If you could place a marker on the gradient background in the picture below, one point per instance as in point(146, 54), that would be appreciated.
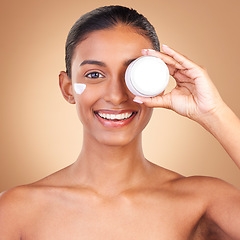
point(40, 131)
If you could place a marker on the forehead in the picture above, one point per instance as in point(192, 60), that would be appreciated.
point(120, 41)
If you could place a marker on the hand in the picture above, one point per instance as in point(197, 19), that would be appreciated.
point(194, 96)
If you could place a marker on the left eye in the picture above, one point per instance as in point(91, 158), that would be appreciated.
point(94, 75)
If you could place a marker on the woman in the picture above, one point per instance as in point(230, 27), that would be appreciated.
point(112, 191)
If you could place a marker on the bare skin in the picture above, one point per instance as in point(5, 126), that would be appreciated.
point(112, 191)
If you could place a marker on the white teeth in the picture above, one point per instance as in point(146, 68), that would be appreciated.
point(115, 116)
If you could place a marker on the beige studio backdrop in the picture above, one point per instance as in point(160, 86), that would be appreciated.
point(40, 131)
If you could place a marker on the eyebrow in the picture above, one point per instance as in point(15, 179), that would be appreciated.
point(93, 62)
point(102, 64)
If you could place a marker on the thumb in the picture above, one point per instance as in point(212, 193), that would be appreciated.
point(163, 101)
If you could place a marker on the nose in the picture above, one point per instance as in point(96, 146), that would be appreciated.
point(116, 91)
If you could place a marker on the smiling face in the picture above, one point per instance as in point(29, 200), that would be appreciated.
point(106, 108)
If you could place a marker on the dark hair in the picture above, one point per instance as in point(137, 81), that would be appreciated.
point(105, 18)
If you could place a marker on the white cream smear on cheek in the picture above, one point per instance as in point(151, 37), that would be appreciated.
point(79, 88)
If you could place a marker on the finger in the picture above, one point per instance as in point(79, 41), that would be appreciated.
point(186, 88)
point(163, 101)
point(166, 58)
point(193, 73)
point(182, 60)
point(181, 77)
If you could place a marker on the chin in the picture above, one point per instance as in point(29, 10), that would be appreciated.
point(118, 139)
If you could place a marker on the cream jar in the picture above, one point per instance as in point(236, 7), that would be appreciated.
point(147, 76)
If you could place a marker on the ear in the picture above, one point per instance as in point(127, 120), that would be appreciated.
point(66, 87)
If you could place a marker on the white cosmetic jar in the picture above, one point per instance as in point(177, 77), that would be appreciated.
point(147, 76)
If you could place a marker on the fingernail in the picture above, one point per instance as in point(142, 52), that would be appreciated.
point(137, 101)
point(148, 50)
point(164, 46)
point(151, 50)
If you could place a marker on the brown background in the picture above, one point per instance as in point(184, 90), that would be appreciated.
point(40, 131)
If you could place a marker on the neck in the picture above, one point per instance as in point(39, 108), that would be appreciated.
point(110, 169)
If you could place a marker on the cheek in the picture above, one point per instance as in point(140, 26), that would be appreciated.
point(85, 98)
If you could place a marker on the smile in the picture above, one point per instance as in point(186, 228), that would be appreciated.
point(118, 117)
point(115, 118)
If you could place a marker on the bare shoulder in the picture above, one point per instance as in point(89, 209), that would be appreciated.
point(204, 184)
point(25, 194)
point(14, 207)
point(201, 186)
point(222, 203)
point(17, 199)
point(209, 191)
point(219, 202)
point(174, 180)
point(21, 205)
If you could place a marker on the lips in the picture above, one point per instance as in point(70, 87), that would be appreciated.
point(109, 118)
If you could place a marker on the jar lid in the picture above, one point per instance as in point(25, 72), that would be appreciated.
point(147, 76)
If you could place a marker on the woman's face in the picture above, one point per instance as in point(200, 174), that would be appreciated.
point(106, 108)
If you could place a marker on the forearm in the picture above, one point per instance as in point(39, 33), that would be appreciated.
point(225, 127)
